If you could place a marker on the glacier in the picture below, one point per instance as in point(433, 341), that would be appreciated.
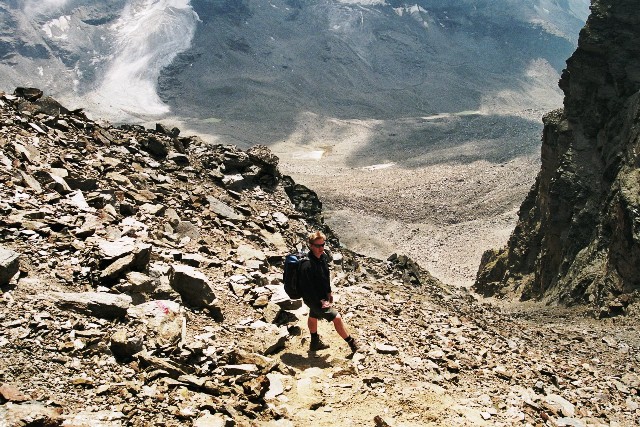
point(148, 36)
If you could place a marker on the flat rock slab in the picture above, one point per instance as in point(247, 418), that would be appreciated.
point(98, 304)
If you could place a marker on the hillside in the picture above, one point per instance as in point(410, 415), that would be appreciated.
point(139, 272)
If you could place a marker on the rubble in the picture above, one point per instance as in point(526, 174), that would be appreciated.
point(141, 286)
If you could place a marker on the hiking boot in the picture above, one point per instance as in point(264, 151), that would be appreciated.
point(353, 345)
point(317, 344)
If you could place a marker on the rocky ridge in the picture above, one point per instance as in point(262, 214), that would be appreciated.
point(140, 286)
point(577, 239)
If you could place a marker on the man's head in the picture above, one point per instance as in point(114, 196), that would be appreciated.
point(316, 243)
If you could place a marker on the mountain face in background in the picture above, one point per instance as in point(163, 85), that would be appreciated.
point(227, 66)
point(578, 235)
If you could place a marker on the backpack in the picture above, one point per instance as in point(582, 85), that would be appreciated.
point(291, 274)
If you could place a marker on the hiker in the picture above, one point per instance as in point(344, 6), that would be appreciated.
point(316, 294)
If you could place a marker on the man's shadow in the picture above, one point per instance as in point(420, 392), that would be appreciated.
point(302, 362)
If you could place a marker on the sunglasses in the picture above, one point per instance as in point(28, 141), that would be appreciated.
point(318, 245)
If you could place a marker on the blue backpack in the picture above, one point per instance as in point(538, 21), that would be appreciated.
point(291, 274)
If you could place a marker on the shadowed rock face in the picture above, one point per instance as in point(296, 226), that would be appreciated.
point(578, 235)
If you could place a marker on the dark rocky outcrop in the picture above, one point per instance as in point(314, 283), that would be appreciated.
point(578, 235)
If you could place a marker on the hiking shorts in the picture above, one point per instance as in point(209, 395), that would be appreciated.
point(327, 314)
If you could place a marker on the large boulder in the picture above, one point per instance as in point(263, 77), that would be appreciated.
point(194, 288)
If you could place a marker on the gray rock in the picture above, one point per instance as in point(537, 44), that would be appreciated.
point(152, 209)
point(11, 393)
point(280, 218)
point(59, 184)
point(123, 345)
point(179, 159)
point(386, 349)
point(222, 209)
point(163, 322)
point(105, 418)
point(569, 422)
point(140, 282)
point(276, 386)
point(261, 301)
point(210, 420)
point(245, 368)
point(280, 297)
point(116, 248)
point(9, 265)
point(249, 252)
point(172, 217)
point(269, 338)
point(117, 269)
point(187, 229)
point(271, 312)
point(192, 285)
point(276, 240)
point(155, 146)
point(31, 182)
point(559, 405)
point(30, 414)
point(129, 256)
point(98, 304)
point(173, 369)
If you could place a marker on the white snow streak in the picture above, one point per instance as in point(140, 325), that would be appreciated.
point(363, 2)
point(149, 35)
point(57, 28)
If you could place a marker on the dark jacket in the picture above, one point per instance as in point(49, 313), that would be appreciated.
point(315, 282)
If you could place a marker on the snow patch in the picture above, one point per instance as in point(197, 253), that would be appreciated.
point(378, 167)
point(57, 28)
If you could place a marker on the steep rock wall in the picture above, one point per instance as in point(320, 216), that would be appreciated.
point(578, 235)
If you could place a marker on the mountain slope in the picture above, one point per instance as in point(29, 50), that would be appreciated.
point(264, 64)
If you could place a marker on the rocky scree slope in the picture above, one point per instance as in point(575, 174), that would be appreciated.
point(578, 235)
point(140, 286)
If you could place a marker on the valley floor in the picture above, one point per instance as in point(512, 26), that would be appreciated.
point(441, 204)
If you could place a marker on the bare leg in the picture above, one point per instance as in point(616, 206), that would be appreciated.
point(312, 323)
point(340, 327)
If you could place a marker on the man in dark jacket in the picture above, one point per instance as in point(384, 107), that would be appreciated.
point(316, 293)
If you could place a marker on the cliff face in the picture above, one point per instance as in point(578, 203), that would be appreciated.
point(578, 235)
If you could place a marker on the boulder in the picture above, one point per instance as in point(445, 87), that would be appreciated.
point(192, 285)
point(98, 304)
point(269, 338)
point(9, 265)
point(30, 414)
point(124, 345)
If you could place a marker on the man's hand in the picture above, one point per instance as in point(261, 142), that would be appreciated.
point(331, 297)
